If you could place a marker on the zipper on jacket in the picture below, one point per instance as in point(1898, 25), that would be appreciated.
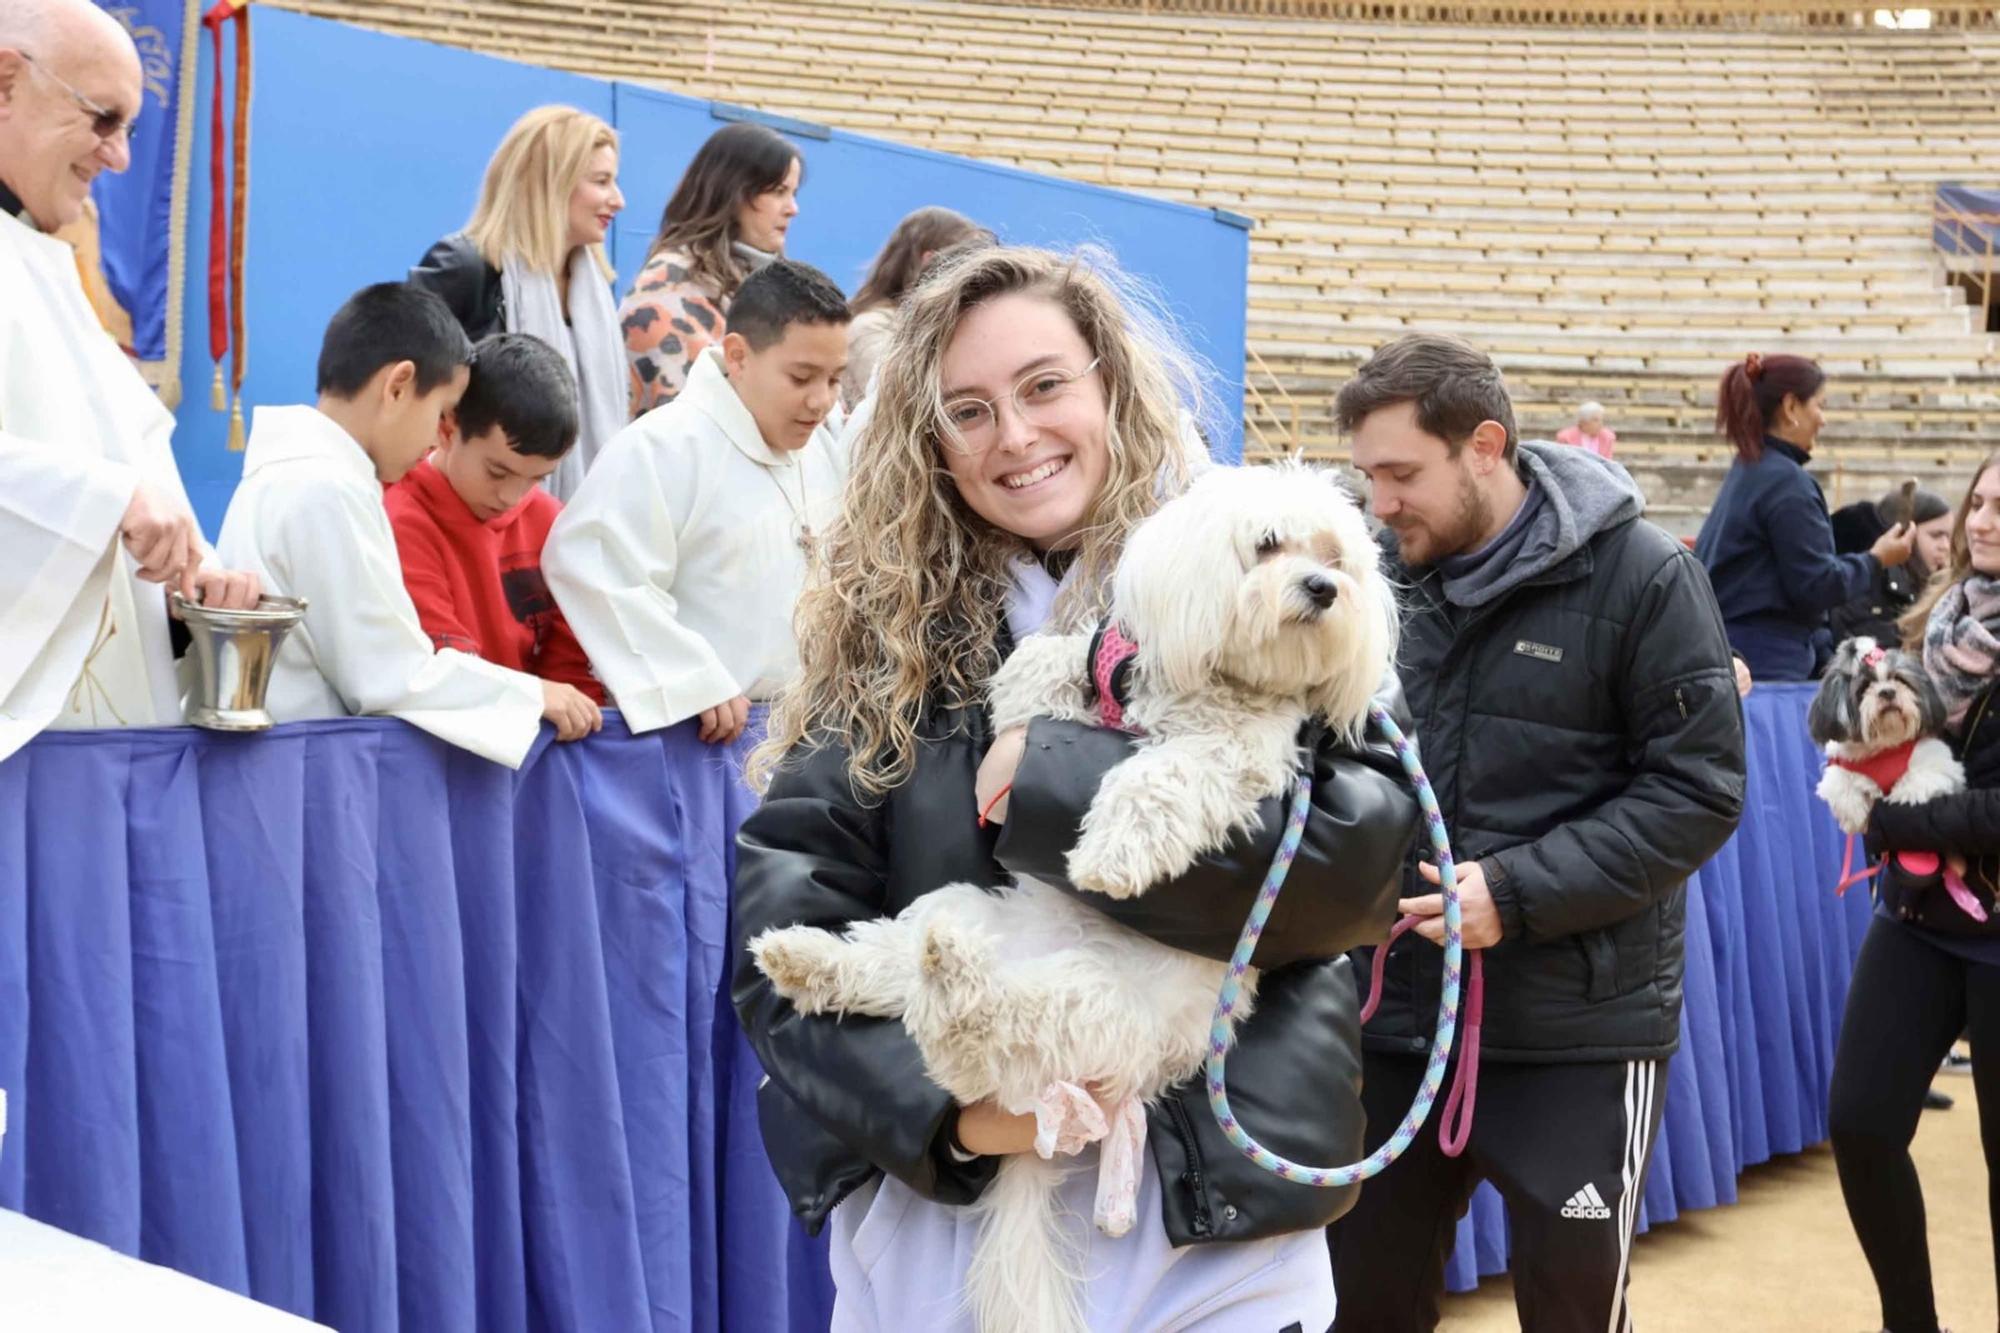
point(1199, 1222)
point(1680, 702)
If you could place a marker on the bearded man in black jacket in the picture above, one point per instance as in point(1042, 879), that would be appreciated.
point(1575, 705)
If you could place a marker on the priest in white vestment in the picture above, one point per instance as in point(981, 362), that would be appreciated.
point(682, 554)
point(93, 517)
point(309, 519)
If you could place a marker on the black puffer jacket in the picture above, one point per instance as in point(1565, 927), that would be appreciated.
point(456, 271)
point(848, 1096)
point(1584, 737)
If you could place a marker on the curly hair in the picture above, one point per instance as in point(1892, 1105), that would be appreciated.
point(903, 610)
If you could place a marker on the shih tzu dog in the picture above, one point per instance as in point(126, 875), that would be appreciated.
point(1878, 717)
point(1242, 609)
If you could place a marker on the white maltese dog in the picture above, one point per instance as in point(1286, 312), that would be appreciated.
point(1240, 610)
point(1878, 717)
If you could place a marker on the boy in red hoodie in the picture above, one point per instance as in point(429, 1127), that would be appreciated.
point(470, 520)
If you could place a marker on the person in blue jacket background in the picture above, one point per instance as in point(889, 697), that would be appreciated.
point(1768, 542)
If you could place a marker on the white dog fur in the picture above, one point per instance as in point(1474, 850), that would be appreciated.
point(1256, 603)
point(1871, 700)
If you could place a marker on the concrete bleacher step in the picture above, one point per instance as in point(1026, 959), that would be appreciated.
point(1614, 213)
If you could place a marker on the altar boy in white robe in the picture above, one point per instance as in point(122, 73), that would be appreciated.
point(309, 518)
point(681, 555)
point(94, 521)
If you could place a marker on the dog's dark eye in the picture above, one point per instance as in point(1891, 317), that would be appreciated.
point(1267, 545)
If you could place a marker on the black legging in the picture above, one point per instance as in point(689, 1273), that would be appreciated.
point(1909, 1001)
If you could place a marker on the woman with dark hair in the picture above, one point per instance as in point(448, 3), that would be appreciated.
point(1896, 589)
point(917, 240)
point(1767, 542)
point(1928, 969)
point(727, 219)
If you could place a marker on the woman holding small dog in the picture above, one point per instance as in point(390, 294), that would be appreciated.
point(1027, 421)
point(1928, 969)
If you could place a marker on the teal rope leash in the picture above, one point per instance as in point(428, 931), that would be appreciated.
point(1246, 945)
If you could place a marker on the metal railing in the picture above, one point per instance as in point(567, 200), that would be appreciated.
point(1265, 395)
point(1972, 236)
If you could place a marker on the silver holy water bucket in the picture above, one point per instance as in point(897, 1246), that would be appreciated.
point(233, 653)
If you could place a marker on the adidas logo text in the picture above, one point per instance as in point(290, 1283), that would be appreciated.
point(1586, 1205)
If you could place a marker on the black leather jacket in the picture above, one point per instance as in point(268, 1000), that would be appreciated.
point(848, 1096)
point(456, 271)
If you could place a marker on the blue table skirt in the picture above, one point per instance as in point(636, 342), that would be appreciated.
point(385, 1035)
point(377, 1032)
point(1769, 952)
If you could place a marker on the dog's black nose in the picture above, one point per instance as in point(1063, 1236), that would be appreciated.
point(1320, 588)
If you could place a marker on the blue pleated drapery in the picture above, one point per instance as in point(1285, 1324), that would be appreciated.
point(375, 1031)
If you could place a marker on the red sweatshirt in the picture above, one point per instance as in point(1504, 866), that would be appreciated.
point(478, 585)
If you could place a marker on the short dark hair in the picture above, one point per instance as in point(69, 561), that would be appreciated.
point(384, 324)
point(1454, 385)
point(523, 386)
point(782, 293)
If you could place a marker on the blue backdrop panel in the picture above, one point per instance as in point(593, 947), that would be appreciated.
point(366, 148)
point(363, 150)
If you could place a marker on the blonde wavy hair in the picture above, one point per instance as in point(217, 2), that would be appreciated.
point(1913, 622)
point(904, 609)
point(523, 209)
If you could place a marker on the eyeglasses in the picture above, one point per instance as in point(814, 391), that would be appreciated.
point(105, 123)
point(975, 422)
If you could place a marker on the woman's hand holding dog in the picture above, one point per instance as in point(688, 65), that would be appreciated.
point(996, 774)
point(985, 1130)
point(1478, 918)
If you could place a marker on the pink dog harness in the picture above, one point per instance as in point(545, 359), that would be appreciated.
point(1111, 657)
point(1885, 770)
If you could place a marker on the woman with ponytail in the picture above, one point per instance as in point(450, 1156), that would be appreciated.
point(1768, 542)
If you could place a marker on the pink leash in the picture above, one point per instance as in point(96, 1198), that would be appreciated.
point(1917, 863)
point(1455, 1128)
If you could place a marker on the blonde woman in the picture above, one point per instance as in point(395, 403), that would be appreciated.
point(1027, 420)
point(727, 218)
point(532, 261)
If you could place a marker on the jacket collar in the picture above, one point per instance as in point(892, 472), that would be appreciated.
point(293, 434)
point(709, 392)
point(1577, 564)
point(1786, 449)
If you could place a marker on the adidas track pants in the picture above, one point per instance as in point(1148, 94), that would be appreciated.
point(1567, 1147)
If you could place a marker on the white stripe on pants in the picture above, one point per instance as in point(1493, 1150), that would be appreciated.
point(1641, 1087)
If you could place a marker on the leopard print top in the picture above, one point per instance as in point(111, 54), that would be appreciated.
point(667, 320)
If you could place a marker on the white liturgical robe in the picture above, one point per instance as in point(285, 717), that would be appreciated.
point(83, 640)
point(309, 519)
point(680, 558)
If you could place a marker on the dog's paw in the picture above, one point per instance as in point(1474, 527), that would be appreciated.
point(1849, 797)
point(1098, 864)
point(802, 963)
point(950, 955)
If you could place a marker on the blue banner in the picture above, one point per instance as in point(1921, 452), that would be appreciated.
point(137, 231)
